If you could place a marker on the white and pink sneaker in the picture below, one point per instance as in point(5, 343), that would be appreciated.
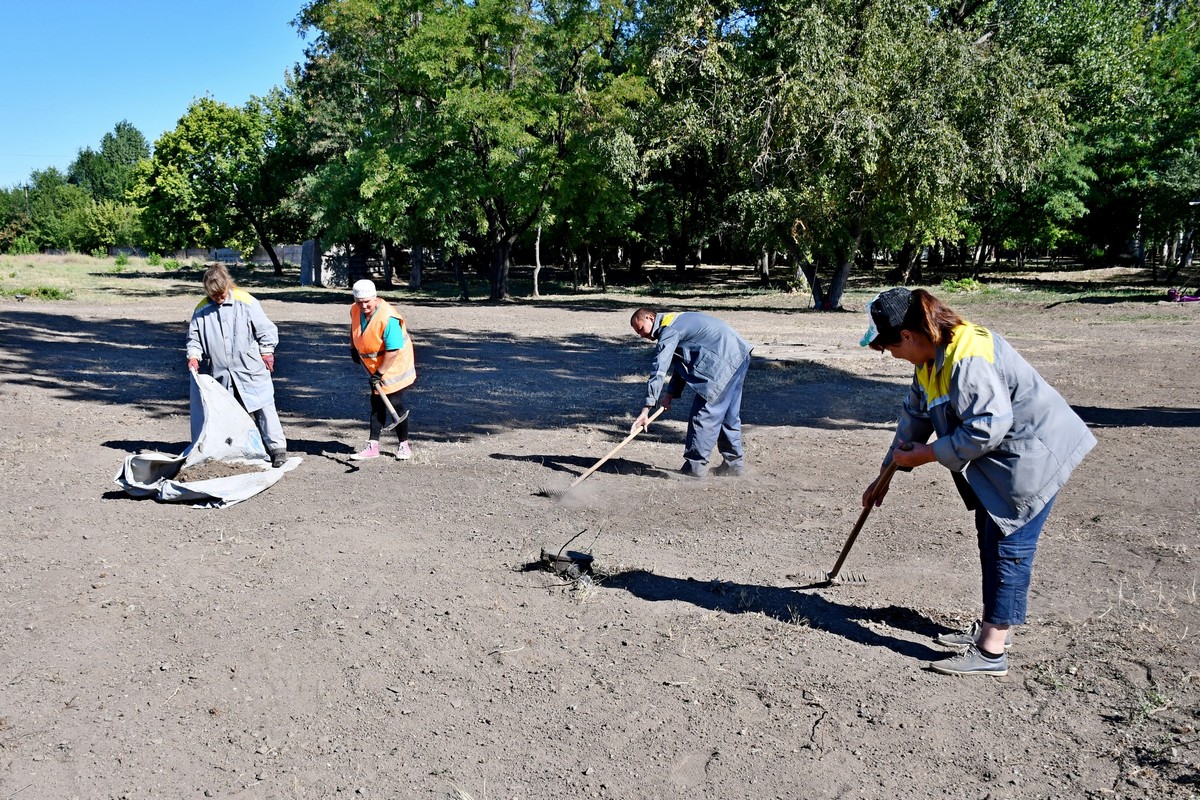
point(367, 453)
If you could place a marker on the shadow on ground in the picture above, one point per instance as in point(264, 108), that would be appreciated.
point(469, 382)
point(807, 608)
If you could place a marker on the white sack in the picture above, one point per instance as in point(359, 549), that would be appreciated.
point(227, 434)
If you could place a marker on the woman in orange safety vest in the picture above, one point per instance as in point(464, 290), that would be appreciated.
point(380, 342)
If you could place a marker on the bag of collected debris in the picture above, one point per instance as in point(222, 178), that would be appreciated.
point(225, 464)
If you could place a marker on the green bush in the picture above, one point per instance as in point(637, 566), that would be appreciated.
point(99, 252)
point(122, 260)
point(171, 263)
point(962, 285)
point(41, 292)
point(116, 269)
point(154, 260)
point(24, 246)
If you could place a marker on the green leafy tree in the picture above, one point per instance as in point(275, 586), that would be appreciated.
point(213, 180)
point(113, 224)
point(883, 120)
point(109, 174)
point(692, 54)
point(14, 216)
point(1173, 166)
point(453, 123)
point(58, 212)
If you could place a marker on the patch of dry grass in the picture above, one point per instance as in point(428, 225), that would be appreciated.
point(82, 277)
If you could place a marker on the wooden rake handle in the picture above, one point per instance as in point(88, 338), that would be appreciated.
point(885, 479)
point(632, 435)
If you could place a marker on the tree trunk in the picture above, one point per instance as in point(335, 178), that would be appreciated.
point(811, 274)
point(260, 234)
point(502, 249)
point(764, 268)
point(356, 262)
point(389, 263)
point(980, 258)
point(417, 266)
point(464, 295)
point(837, 286)
point(1188, 250)
point(537, 260)
point(909, 263)
point(936, 261)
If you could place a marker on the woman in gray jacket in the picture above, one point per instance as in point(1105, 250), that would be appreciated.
point(230, 328)
point(1008, 438)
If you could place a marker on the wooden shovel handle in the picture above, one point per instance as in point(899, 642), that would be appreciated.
point(396, 420)
point(632, 435)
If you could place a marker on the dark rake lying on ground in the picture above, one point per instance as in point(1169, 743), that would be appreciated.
point(835, 577)
point(569, 564)
point(559, 494)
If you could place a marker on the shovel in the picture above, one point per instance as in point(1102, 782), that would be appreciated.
point(632, 435)
point(396, 419)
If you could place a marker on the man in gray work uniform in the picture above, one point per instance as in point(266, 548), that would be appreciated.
point(708, 355)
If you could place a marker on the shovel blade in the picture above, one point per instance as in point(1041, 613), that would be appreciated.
point(396, 420)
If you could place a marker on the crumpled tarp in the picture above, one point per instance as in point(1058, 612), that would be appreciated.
point(221, 431)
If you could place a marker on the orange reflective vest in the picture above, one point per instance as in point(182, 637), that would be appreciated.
point(369, 344)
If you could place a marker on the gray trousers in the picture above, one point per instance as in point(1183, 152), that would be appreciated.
point(267, 420)
point(717, 423)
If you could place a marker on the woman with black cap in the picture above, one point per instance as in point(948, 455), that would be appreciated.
point(1008, 438)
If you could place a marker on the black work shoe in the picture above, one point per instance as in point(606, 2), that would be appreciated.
point(727, 470)
point(278, 458)
point(688, 471)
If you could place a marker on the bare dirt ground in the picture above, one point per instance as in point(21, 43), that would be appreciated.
point(381, 630)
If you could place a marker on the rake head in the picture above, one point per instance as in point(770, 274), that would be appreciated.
point(826, 579)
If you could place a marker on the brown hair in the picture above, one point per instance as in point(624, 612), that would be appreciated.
point(926, 314)
point(218, 281)
point(933, 318)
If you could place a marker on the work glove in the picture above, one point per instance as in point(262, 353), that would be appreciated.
point(354, 355)
point(376, 380)
point(194, 364)
point(269, 361)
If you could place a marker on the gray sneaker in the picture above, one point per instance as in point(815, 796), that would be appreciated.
point(968, 638)
point(971, 662)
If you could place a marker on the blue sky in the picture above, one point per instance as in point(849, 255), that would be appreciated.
point(70, 70)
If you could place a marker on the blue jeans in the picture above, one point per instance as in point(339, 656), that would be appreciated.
point(1007, 563)
point(717, 422)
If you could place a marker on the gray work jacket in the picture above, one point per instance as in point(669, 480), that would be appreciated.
point(998, 423)
point(704, 351)
point(233, 336)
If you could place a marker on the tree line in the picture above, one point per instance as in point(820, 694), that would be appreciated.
point(806, 137)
